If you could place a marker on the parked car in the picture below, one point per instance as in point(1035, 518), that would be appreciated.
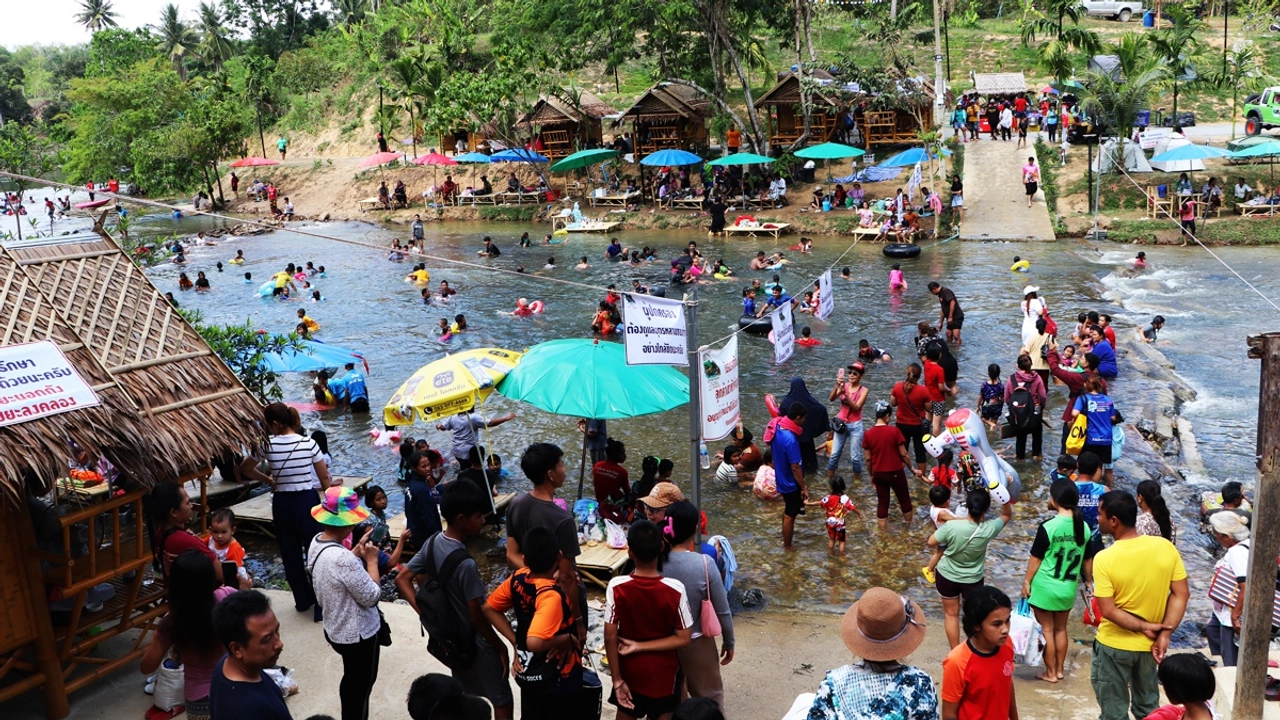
point(1262, 111)
point(1122, 10)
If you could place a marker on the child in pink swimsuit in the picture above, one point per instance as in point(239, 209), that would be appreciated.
point(896, 280)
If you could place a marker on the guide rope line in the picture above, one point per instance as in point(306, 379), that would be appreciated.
point(323, 236)
point(1167, 213)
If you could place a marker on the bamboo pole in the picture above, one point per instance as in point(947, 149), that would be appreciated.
point(1251, 677)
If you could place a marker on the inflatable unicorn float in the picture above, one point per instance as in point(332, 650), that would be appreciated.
point(964, 429)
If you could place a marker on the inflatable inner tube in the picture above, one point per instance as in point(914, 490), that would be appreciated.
point(657, 291)
point(771, 404)
point(752, 324)
point(901, 250)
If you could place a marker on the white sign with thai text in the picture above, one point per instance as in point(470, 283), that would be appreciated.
point(826, 299)
point(719, 389)
point(36, 381)
point(784, 333)
point(654, 331)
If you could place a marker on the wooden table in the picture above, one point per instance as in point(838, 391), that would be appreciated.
point(600, 563)
point(693, 203)
point(520, 197)
point(255, 513)
point(622, 200)
point(1266, 210)
point(490, 199)
point(368, 204)
point(775, 230)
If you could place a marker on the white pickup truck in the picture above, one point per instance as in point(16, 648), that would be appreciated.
point(1121, 10)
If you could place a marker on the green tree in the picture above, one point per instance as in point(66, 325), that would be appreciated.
point(1116, 102)
point(96, 15)
point(1178, 47)
point(244, 351)
point(116, 50)
point(13, 97)
point(274, 26)
point(1244, 72)
point(176, 39)
point(1058, 27)
point(215, 46)
point(24, 151)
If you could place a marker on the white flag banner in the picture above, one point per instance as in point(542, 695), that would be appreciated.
point(826, 299)
point(37, 380)
point(719, 390)
point(917, 177)
point(654, 331)
point(784, 333)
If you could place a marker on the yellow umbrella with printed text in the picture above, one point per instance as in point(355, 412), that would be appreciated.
point(453, 384)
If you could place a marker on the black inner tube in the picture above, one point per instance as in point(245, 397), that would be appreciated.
point(754, 325)
point(901, 250)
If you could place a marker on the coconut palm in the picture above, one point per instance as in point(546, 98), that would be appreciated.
point(176, 39)
point(96, 15)
point(1244, 72)
point(1178, 46)
point(1115, 99)
point(215, 43)
point(1059, 26)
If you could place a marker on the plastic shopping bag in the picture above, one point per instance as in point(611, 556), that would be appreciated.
point(170, 690)
point(1022, 628)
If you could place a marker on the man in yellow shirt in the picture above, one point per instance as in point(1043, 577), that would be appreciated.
point(1141, 586)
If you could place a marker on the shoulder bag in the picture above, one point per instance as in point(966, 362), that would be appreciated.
point(708, 618)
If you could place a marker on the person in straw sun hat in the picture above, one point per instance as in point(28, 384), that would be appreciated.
point(881, 628)
point(346, 585)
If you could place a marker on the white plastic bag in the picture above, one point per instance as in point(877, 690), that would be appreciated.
point(615, 536)
point(1022, 628)
point(171, 681)
point(283, 678)
point(1034, 655)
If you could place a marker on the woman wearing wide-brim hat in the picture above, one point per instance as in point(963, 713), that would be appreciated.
point(881, 628)
point(346, 586)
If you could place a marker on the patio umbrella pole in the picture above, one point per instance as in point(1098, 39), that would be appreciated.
point(582, 469)
point(695, 409)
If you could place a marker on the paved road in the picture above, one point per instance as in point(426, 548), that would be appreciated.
point(994, 198)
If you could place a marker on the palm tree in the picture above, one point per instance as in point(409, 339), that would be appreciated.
point(1059, 24)
point(1244, 71)
point(215, 43)
point(1178, 46)
point(96, 15)
point(176, 39)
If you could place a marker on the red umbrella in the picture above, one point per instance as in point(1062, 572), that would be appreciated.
point(253, 162)
point(381, 158)
point(435, 158)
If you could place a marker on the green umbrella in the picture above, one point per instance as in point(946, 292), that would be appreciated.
point(584, 158)
point(1266, 149)
point(743, 158)
point(829, 151)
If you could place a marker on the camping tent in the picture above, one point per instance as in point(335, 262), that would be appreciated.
point(1169, 143)
point(1106, 65)
point(1134, 159)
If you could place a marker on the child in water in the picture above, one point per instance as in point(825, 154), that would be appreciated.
point(837, 505)
point(315, 296)
point(184, 282)
point(806, 338)
point(443, 330)
point(896, 279)
point(872, 354)
point(603, 321)
point(459, 324)
point(748, 301)
point(248, 278)
point(942, 473)
point(991, 397)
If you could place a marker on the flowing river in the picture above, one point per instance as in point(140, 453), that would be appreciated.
point(368, 306)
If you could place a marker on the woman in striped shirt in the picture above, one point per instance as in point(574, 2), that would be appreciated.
point(290, 459)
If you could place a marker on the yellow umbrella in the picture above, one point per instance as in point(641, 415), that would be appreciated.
point(453, 384)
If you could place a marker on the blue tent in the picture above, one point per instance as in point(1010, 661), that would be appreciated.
point(907, 158)
point(664, 158)
point(518, 155)
point(314, 356)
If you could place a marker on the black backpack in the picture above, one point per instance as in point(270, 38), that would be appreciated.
point(1022, 409)
point(451, 638)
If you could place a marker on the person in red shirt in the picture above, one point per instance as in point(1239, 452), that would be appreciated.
point(1110, 333)
point(935, 383)
point(1020, 106)
point(612, 483)
point(912, 403)
point(646, 620)
point(170, 510)
point(887, 458)
point(977, 675)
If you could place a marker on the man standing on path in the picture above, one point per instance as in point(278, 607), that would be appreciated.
point(463, 426)
point(250, 632)
point(952, 318)
point(733, 139)
point(785, 443)
point(1141, 586)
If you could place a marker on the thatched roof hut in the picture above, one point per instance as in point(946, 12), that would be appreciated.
point(784, 114)
point(563, 128)
point(668, 116)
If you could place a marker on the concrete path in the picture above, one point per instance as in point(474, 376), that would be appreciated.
point(995, 201)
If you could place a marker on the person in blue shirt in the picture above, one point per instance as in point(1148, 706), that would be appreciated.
point(785, 445)
point(1088, 470)
point(356, 393)
point(421, 508)
point(777, 300)
point(1101, 414)
point(1106, 354)
point(613, 250)
point(748, 301)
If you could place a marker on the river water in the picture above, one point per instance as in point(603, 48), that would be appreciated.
point(369, 307)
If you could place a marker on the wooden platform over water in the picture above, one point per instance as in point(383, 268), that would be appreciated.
point(255, 513)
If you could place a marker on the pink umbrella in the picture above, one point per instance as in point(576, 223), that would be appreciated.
point(381, 158)
point(253, 162)
point(435, 158)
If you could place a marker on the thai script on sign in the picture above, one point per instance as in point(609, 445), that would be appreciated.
point(37, 380)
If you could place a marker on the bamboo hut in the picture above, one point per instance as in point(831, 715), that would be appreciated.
point(785, 113)
point(561, 128)
point(159, 405)
point(668, 116)
point(897, 124)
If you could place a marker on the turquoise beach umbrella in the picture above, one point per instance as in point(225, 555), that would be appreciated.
point(314, 356)
point(907, 158)
point(1190, 152)
point(518, 155)
point(591, 379)
point(830, 151)
point(472, 157)
point(584, 158)
point(671, 157)
point(743, 158)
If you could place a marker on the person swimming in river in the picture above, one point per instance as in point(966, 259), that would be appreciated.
point(582, 264)
point(426, 296)
point(311, 269)
point(301, 330)
point(202, 282)
point(525, 241)
point(238, 259)
point(720, 270)
point(446, 290)
point(315, 296)
point(184, 282)
point(459, 324)
point(524, 308)
point(896, 279)
point(248, 278)
point(806, 337)
point(873, 354)
point(1020, 265)
point(551, 264)
point(305, 319)
point(748, 301)
point(443, 330)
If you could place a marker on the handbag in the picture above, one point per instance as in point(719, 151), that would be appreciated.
point(1092, 611)
point(171, 683)
point(1079, 431)
point(384, 630)
point(707, 617)
point(839, 426)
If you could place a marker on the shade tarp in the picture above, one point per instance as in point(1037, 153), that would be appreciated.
point(253, 162)
point(314, 356)
point(518, 155)
point(1271, 148)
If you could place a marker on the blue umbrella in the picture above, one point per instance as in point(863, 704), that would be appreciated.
point(1190, 152)
point(664, 158)
point(907, 158)
point(472, 157)
point(315, 356)
point(518, 155)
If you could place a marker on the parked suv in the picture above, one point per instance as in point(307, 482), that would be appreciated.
point(1121, 10)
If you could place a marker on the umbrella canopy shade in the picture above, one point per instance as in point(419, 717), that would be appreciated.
point(381, 158)
point(518, 155)
point(475, 158)
point(314, 356)
point(591, 379)
point(907, 158)
point(663, 158)
point(583, 158)
point(453, 384)
point(435, 158)
point(1049, 89)
point(1266, 149)
point(829, 151)
point(1068, 85)
point(1190, 151)
point(1248, 141)
point(253, 162)
point(743, 158)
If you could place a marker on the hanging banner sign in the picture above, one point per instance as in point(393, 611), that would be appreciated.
point(37, 380)
point(719, 390)
point(784, 333)
point(826, 299)
point(913, 185)
point(654, 331)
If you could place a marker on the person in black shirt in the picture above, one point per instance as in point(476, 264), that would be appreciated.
point(717, 209)
point(952, 317)
point(490, 250)
point(249, 630)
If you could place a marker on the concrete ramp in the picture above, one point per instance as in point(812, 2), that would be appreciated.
point(995, 201)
